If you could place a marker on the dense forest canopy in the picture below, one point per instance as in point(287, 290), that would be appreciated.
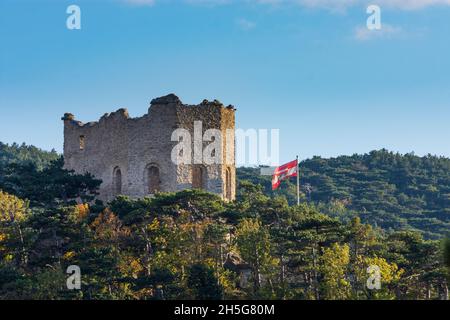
point(385, 189)
point(193, 245)
point(25, 154)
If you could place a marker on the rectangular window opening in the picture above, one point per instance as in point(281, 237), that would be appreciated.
point(82, 142)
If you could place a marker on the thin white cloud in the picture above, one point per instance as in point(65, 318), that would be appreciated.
point(141, 2)
point(332, 5)
point(208, 2)
point(362, 33)
point(245, 24)
point(412, 4)
point(339, 5)
point(344, 4)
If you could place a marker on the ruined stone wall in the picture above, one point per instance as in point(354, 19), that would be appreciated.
point(135, 144)
point(229, 151)
point(212, 115)
point(106, 147)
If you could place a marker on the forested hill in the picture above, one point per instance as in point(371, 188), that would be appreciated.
point(385, 189)
point(202, 248)
point(25, 154)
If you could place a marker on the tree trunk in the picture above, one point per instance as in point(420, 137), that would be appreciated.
point(316, 277)
point(428, 291)
point(444, 291)
point(22, 242)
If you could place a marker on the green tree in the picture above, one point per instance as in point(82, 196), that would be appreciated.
point(13, 214)
point(203, 283)
point(334, 264)
point(447, 255)
point(254, 244)
point(50, 187)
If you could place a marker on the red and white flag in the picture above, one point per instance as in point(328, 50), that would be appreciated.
point(284, 172)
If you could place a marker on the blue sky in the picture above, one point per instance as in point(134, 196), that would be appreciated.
point(309, 68)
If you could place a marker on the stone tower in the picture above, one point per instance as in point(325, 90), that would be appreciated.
point(134, 156)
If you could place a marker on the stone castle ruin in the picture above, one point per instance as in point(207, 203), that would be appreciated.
point(134, 156)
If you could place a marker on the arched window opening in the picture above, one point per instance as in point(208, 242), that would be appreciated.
point(198, 177)
point(153, 179)
point(117, 181)
point(228, 184)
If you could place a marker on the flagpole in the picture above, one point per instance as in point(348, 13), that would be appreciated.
point(298, 185)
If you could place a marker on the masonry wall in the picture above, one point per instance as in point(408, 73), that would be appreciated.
point(134, 144)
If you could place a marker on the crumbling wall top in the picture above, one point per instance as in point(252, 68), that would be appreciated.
point(165, 100)
point(169, 99)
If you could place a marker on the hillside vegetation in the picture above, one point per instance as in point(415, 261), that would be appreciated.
point(385, 189)
point(192, 245)
point(25, 154)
